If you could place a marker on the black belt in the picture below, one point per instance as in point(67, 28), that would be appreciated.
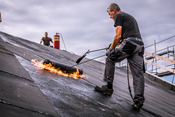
point(133, 39)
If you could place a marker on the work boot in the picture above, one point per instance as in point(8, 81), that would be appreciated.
point(137, 106)
point(104, 90)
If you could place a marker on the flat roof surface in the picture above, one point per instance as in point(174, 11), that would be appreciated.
point(28, 91)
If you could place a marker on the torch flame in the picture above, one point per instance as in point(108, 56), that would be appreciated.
point(50, 68)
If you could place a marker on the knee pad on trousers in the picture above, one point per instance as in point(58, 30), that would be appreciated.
point(114, 54)
point(129, 48)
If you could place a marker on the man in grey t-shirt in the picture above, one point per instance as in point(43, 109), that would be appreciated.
point(127, 43)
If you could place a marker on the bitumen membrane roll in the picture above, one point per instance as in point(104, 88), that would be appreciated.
point(64, 68)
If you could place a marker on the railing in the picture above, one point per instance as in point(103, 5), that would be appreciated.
point(159, 58)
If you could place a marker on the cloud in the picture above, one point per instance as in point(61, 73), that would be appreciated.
point(84, 24)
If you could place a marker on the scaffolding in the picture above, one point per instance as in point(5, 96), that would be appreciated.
point(164, 49)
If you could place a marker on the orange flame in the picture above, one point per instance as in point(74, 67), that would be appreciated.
point(50, 68)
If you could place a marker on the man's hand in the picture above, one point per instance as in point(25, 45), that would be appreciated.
point(108, 47)
point(108, 51)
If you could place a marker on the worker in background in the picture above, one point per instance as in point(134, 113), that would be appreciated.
point(127, 43)
point(0, 17)
point(46, 40)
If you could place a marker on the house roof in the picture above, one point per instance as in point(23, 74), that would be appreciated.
point(29, 91)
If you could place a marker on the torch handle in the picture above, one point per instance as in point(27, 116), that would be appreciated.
point(78, 60)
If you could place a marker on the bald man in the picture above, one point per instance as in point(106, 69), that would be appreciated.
point(46, 40)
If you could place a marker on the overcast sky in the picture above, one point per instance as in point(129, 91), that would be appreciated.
point(85, 24)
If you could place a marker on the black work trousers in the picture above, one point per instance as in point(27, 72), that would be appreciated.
point(132, 49)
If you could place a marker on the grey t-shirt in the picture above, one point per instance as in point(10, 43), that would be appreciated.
point(129, 25)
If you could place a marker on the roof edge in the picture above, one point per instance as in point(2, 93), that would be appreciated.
point(161, 81)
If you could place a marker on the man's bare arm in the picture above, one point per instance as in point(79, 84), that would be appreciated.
point(117, 37)
point(41, 41)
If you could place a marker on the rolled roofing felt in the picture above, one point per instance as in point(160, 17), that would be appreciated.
point(64, 68)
